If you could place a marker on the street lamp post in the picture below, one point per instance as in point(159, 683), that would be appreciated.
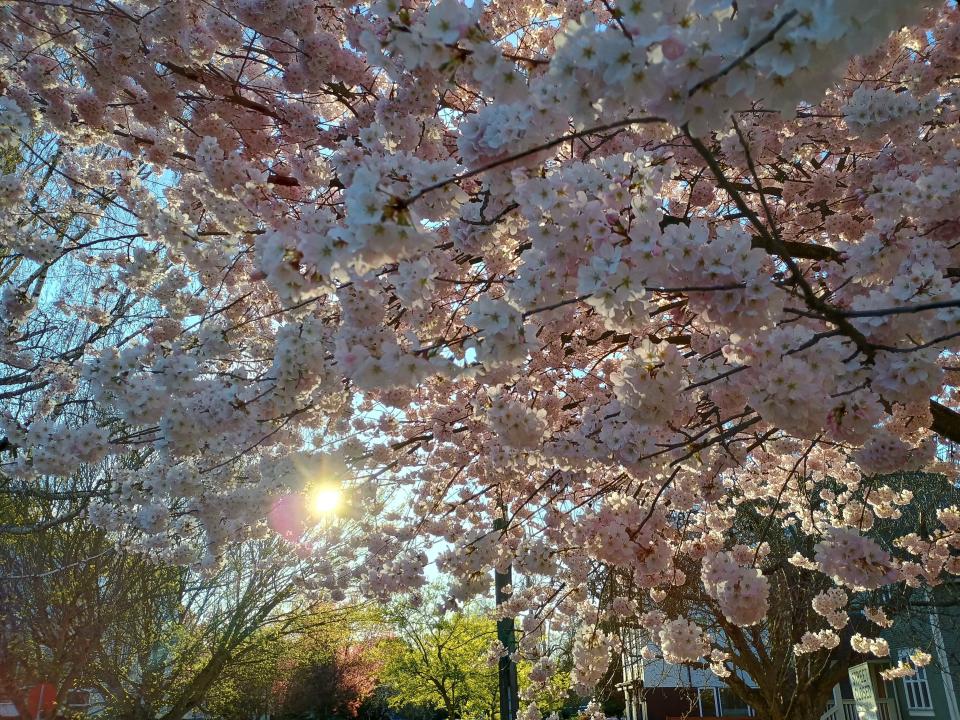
point(507, 669)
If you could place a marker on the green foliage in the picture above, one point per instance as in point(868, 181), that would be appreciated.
point(439, 662)
point(246, 689)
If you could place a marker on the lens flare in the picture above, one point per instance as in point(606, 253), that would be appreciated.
point(325, 500)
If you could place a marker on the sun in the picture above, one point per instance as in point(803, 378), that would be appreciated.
point(325, 500)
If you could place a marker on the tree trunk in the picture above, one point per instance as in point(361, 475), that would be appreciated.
point(787, 702)
point(807, 707)
point(194, 692)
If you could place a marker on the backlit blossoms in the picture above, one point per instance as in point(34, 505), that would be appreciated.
point(619, 295)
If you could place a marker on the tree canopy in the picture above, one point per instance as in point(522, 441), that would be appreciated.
point(556, 284)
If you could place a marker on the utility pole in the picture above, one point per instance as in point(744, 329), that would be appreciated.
point(507, 670)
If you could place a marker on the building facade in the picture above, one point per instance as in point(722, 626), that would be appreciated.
point(658, 690)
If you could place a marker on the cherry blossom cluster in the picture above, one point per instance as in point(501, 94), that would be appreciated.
point(814, 641)
point(741, 591)
point(872, 646)
point(682, 641)
point(830, 604)
point(883, 108)
point(918, 659)
point(14, 123)
point(592, 652)
point(854, 561)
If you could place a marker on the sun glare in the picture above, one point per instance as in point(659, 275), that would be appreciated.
point(325, 500)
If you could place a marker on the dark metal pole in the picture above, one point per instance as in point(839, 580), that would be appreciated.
point(507, 670)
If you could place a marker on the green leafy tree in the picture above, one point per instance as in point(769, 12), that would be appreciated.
point(154, 640)
point(220, 622)
point(247, 688)
point(438, 661)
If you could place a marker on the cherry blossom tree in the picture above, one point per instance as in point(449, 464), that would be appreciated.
point(334, 686)
point(812, 631)
point(601, 271)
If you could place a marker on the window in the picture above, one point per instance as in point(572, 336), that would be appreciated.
point(709, 705)
point(632, 658)
point(731, 705)
point(916, 687)
point(717, 702)
point(78, 699)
